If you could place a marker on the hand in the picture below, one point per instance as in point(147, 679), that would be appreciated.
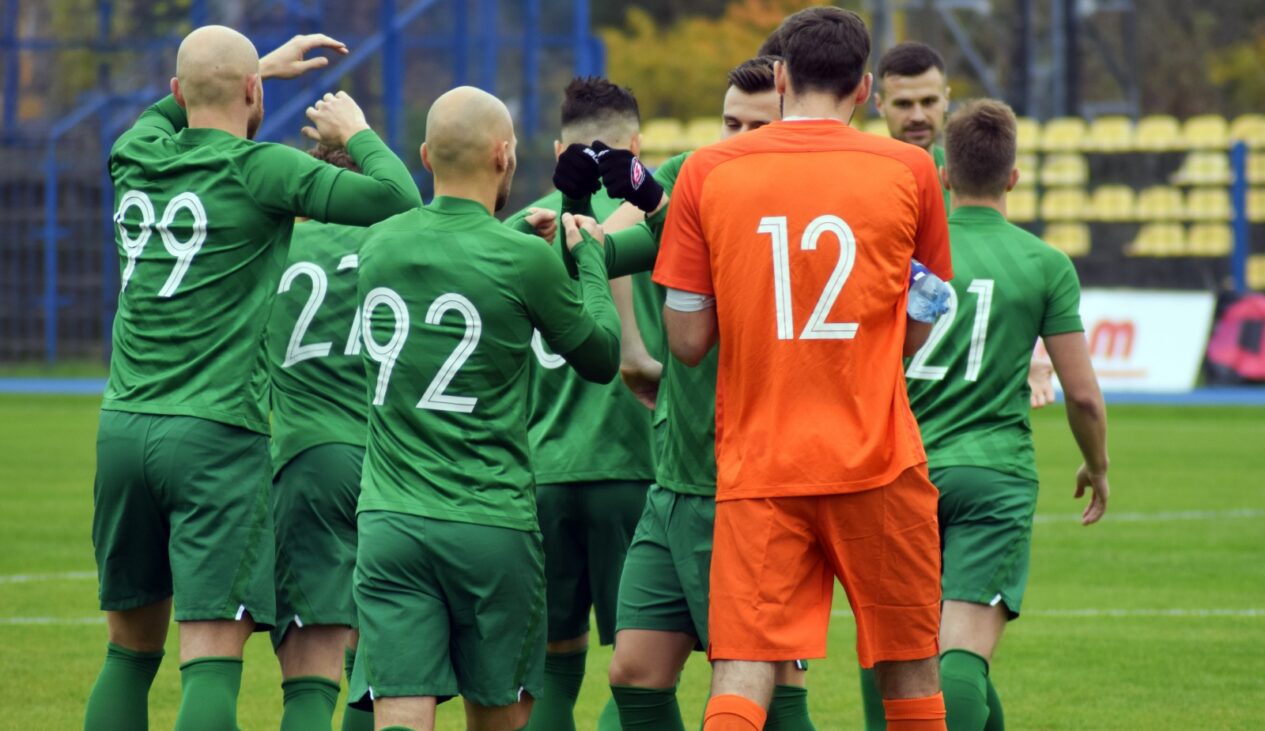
point(287, 62)
point(642, 376)
point(625, 177)
point(580, 228)
point(337, 118)
point(1041, 381)
point(576, 174)
point(1097, 484)
point(544, 221)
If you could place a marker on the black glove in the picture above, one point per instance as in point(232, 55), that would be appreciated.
point(625, 177)
point(576, 174)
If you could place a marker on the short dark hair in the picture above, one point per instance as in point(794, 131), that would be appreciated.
point(910, 58)
point(979, 143)
point(826, 49)
point(774, 45)
point(591, 97)
point(754, 76)
point(336, 156)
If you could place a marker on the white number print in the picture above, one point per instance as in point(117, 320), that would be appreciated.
point(817, 328)
point(296, 352)
point(183, 251)
point(551, 361)
point(435, 398)
point(384, 353)
point(920, 370)
point(351, 261)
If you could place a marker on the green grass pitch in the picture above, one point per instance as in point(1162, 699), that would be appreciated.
point(1153, 619)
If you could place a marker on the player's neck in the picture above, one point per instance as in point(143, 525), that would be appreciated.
point(997, 204)
point(818, 106)
point(479, 191)
point(217, 119)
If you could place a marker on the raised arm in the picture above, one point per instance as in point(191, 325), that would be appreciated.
point(1086, 415)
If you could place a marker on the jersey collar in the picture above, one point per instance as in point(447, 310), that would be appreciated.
point(978, 214)
point(457, 206)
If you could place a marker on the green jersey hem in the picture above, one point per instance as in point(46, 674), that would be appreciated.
point(145, 407)
point(529, 525)
point(1023, 472)
point(563, 478)
point(686, 488)
point(279, 461)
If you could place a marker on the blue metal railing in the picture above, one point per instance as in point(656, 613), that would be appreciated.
point(1240, 221)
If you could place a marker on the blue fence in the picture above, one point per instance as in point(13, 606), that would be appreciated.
point(58, 265)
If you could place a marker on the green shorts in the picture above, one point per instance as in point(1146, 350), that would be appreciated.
point(587, 528)
point(985, 535)
point(448, 609)
point(180, 508)
point(664, 585)
point(314, 509)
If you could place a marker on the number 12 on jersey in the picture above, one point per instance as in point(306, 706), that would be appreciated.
point(920, 370)
point(817, 328)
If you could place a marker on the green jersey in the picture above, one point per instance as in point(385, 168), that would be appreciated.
point(203, 219)
point(968, 385)
point(937, 154)
point(648, 296)
point(450, 300)
point(318, 380)
point(582, 431)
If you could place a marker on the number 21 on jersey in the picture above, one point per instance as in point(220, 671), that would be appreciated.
point(921, 370)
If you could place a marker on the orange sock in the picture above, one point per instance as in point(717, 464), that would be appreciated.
point(915, 714)
point(735, 713)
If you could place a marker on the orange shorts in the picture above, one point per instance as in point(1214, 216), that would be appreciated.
point(774, 561)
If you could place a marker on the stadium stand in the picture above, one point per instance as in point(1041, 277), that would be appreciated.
point(702, 132)
point(1112, 203)
point(1021, 205)
point(1028, 166)
point(1071, 238)
point(1158, 133)
point(1160, 203)
point(1028, 135)
point(1065, 169)
point(1208, 204)
point(1063, 134)
point(877, 126)
point(1064, 204)
point(1256, 205)
point(1249, 128)
point(1206, 132)
point(1210, 239)
point(1204, 168)
point(1158, 239)
point(1110, 134)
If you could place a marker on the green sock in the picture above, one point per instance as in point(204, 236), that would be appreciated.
point(554, 710)
point(208, 701)
point(609, 720)
point(120, 697)
point(789, 710)
point(996, 719)
point(964, 681)
point(648, 709)
point(354, 719)
point(872, 702)
point(309, 703)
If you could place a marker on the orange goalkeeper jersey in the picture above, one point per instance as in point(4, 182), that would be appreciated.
point(803, 231)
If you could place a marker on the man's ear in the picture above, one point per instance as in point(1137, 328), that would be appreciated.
point(944, 178)
point(1014, 180)
point(502, 156)
point(779, 77)
point(863, 90)
point(176, 92)
point(878, 102)
point(634, 144)
point(253, 89)
point(426, 159)
point(947, 91)
point(557, 149)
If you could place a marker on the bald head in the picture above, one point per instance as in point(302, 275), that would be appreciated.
point(464, 130)
point(213, 66)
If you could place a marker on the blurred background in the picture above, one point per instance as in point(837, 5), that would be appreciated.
point(1142, 136)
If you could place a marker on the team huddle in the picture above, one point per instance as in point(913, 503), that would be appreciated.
point(422, 447)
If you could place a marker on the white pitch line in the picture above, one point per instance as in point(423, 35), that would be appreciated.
point(1180, 613)
point(62, 576)
point(1110, 517)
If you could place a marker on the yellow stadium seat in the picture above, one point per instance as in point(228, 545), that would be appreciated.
point(1256, 272)
point(1027, 165)
point(1159, 203)
point(1064, 169)
point(1210, 239)
point(1063, 134)
point(1206, 132)
point(1256, 205)
point(1110, 134)
point(1204, 168)
point(1256, 167)
point(1249, 128)
point(1208, 204)
point(1112, 203)
point(877, 126)
point(702, 132)
point(663, 137)
point(1064, 204)
point(1070, 238)
point(1021, 205)
point(1158, 133)
point(1028, 134)
point(1158, 239)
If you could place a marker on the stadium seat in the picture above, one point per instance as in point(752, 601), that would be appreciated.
point(1063, 134)
point(1256, 205)
point(1210, 239)
point(1159, 203)
point(663, 137)
point(1070, 238)
point(1204, 168)
point(1256, 272)
point(877, 126)
point(1158, 239)
point(1110, 134)
point(1256, 167)
point(1112, 203)
point(1027, 164)
point(702, 132)
point(1206, 132)
point(1064, 204)
point(1158, 133)
point(1250, 128)
point(1028, 132)
point(1208, 204)
point(1021, 205)
point(1064, 169)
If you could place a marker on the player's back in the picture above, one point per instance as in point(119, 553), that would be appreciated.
point(810, 227)
point(968, 384)
point(447, 296)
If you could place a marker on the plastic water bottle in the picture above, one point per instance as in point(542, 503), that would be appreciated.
point(928, 294)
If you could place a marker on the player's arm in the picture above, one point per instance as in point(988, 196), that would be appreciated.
point(916, 334)
point(288, 62)
point(690, 320)
point(1086, 415)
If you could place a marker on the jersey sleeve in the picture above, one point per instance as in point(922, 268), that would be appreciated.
point(164, 119)
point(1063, 298)
point(684, 260)
point(584, 329)
point(931, 243)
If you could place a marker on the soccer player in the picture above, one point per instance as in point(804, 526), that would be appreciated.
point(967, 386)
point(181, 490)
point(591, 444)
point(450, 576)
point(663, 591)
point(915, 97)
point(820, 471)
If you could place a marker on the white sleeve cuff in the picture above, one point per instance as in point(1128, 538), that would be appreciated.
point(683, 301)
